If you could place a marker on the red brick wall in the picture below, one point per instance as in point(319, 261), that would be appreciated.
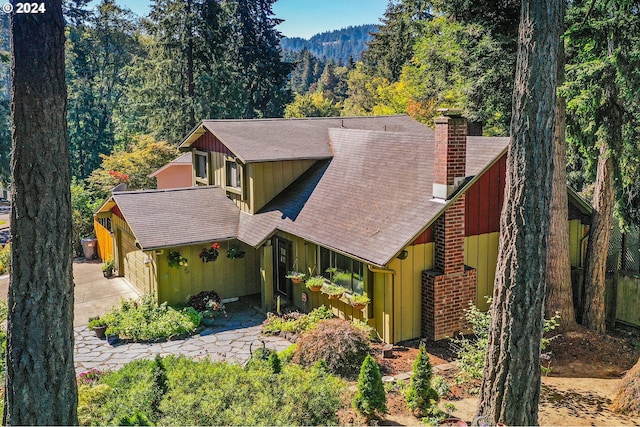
point(450, 149)
point(448, 232)
point(444, 299)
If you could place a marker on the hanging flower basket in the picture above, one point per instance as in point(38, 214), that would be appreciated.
point(210, 254)
point(176, 260)
point(296, 277)
point(233, 253)
point(358, 302)
point(334, 291)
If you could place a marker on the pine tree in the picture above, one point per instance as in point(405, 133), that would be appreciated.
point(258, 58)
point(371, 397)
point(392, 45)
point(421, 396)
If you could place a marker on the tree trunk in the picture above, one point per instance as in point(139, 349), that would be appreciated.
point(610, 140)
point(41, 385)
point(593, 309)
point(559, 290)
point(511, 385)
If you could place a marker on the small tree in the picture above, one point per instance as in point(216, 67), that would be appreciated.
point(370, 396)
point(421, 396)
point(274, 363)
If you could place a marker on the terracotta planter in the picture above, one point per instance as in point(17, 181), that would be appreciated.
point(358, 306)
point(296, 280)
point(335, 296)
point(315, 288)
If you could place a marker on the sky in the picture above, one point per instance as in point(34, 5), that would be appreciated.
point(304, 18)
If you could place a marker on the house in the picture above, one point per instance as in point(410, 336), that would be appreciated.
point(175, 174)
point(394, 211)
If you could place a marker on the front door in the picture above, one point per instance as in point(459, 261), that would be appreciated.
point(282, 261)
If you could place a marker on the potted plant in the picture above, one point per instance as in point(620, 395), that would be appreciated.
point(108, 267)
point(296, 277)
point(99, 326)
point(358, 301)
point(210, 254)
point(214, 309)
point(233, 253)
point(315, 283)
point(333, 291)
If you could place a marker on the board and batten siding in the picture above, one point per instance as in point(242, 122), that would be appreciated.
point(263, 180)
point(228, 277)
point(267, 179)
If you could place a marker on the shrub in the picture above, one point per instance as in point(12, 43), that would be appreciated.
point(274, 363)
point(5, 259)
point(420, 395)
point(295, 321)
point(145, 320)
point(287, 354)
point(213, 393)
point(201, 301)
point(118, 395)
point(627, 398)
point(472, 351)
point(340, 344)
point(370, 397)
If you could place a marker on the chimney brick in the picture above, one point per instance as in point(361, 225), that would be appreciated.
point(450, 152)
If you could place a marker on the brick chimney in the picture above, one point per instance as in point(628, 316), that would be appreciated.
point(450, 154)
point(448, 289)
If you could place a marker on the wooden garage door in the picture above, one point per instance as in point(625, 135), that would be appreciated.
point(133, 262)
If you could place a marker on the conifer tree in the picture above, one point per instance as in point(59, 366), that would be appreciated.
point(371, 397)
point(421, 396)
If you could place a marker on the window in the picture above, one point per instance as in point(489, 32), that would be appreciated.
point(233, 177)
point(201, 167)
point(105, 222)
point(342, 270)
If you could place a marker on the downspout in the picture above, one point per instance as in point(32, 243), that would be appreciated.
point(393, 296)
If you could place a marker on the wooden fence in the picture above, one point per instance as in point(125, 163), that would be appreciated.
point(623, 277)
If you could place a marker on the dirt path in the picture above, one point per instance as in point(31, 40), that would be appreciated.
point(567, 401)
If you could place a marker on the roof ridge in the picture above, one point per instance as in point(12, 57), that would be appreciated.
point(282, 119)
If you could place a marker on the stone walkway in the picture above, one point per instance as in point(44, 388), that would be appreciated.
point(231, 340)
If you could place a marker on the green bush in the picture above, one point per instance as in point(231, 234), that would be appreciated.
point(5, 259)
point(420, 395)
point(295, 321)
point(118, 395)
point(337, 342)
point(145, 320)
point(192, 392)
point(371, 397)
point(472, 351)
point(206, 393)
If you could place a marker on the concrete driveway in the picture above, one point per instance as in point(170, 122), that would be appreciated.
point(94, 295)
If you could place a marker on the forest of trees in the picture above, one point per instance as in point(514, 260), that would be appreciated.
point(342, 45)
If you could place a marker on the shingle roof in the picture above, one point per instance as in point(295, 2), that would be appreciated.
point(370, 200)
point(175, 217)
point(263, 140)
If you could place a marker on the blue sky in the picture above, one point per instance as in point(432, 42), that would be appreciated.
point(304, 18)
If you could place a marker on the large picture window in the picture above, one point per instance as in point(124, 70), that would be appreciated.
point(342, 270)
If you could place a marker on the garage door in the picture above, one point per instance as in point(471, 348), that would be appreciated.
point(133, 264)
